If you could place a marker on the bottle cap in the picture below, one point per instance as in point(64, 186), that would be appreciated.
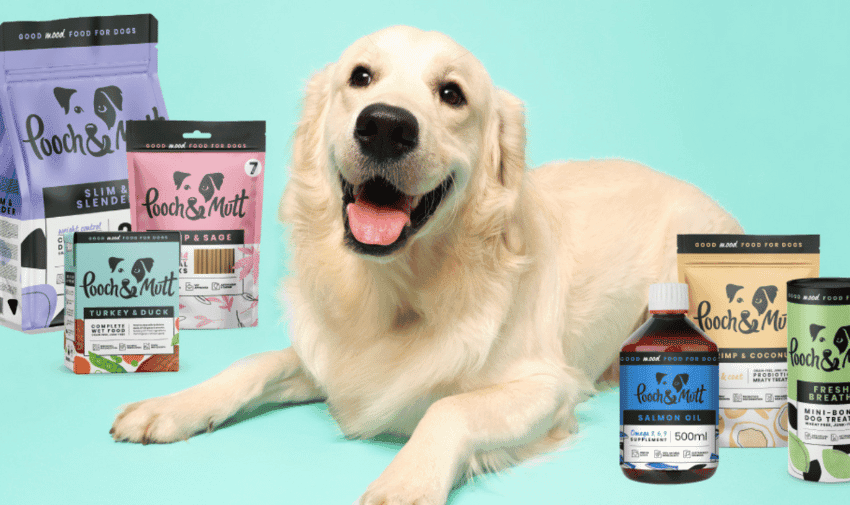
point(668, 297)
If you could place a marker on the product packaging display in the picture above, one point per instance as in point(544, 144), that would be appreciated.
point(211, 190)
point(69, 86)
point(668, 395)
point(819, 379)
point(737, 291)
point(121, 302)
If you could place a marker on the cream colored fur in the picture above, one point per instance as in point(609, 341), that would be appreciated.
point(480, 336)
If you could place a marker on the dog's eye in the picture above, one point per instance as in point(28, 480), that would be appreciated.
point(451, 94)
point(360, 77)
point(78, 109)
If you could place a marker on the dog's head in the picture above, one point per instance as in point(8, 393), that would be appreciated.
point(759, 299)
point(105, 104)
point(140, 269)
point(206, 186)
point(678, 382)
point(401, 139)
point(838, 348)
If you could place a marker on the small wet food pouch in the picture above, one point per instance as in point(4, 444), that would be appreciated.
point(68, 88)
point(121, 302)
point(737, 289)
point(205, 180)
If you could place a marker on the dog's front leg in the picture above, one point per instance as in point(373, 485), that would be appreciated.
point(507, 416)
point(269, 377)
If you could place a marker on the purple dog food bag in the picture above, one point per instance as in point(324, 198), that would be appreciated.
point(68, 88)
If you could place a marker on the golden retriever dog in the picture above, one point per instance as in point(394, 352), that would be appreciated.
point(441, 291)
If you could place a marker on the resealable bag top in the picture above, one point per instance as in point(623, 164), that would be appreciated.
point(737, 289)
point(211, 190)
point(68, 88)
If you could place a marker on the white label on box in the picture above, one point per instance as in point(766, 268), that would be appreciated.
point(108, 337)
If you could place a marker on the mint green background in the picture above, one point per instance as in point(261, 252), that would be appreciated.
point(748, 100)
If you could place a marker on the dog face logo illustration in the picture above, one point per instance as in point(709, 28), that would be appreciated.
point(106, 103)
point(209, 184)
point(140, 269)
point(834, 352)
point(760, 300)
point(679, 381)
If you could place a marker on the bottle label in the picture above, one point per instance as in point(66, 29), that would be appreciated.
point(668, 410)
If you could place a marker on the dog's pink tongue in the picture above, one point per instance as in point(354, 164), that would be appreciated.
point(377, 225)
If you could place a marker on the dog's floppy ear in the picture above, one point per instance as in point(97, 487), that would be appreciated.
point(147, 262)
point(770, 291)
point(217, 178)
point(106, 100)
point(684, 377)
point(502, 166)
point(113, 262)
point(511, 140)
point(731, 290)
point(842, 339)
point(179, 177)
point(308, 152)
point(63, 96)
point(814, 330)
point(659, 376)
point(114, 95)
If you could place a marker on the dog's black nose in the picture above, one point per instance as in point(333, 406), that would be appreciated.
point(386, 132)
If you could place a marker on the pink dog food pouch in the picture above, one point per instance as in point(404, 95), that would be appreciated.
point(204, 179)
point(67, 88)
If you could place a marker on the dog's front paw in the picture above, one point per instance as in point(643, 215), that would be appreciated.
point(400, 495)
point(392, 488)
point(163, 420)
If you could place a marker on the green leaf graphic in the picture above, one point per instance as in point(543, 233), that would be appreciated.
point(105, 364)
point(176, 339)
point(798, 453)
point(836, 463)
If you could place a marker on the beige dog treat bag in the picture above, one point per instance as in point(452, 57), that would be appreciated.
point(737, 291)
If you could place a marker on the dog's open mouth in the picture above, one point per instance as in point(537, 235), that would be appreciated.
point(379, 218)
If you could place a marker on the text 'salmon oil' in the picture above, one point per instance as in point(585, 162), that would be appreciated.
point(668, 395)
